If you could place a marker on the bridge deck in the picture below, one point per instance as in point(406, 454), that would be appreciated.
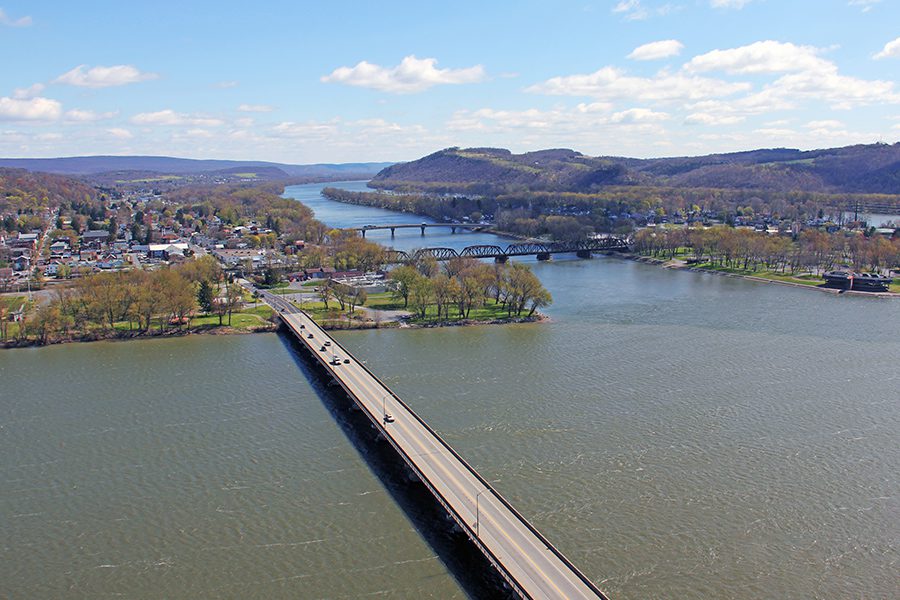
point(533, 567)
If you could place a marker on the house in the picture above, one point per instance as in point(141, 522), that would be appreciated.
point(21, 263)
point(94, 238)
point(59, 247)
point(6, 274)
point(25, 240)
point(166, 251)
point(319, 273)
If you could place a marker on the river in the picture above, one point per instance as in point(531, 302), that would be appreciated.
point(676, 434)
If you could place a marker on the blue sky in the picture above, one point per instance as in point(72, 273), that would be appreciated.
point(346, 81)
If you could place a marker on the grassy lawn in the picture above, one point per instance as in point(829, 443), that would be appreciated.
point(14, 302)
point(245, 319)
point(384, 301)
point(285, 290)
point(274, 286)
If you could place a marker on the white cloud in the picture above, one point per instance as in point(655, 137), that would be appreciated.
point(738, 4)
point(224, 85)
point(120, 133)
point(611, 83)
point(776, 133)
point(701, 118)
point(638, 115)
point(87, 116)
point(259, 108)
point(839, 91)
point(890, 50)
point(171, 118)
point(31, 109)
point(309, 129)
point(865, 4)
point(657, 50)
point(825, 124)
point(635, 10)
point(5, 19)
point(100, 77)
point(760, 57)
point(410, 76)
point(29, 92)
point(581, 121)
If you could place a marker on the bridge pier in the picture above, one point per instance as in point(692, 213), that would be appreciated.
point(543, 256)
point(363, 231)
point(423, 230)
point(453, 230)
point(392, 231)
point(583, 254)
point(501, 259)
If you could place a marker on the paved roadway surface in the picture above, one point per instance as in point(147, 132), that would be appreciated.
point(523, 556)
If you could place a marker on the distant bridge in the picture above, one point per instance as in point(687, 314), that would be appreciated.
point(542, 250)
point(423, 226)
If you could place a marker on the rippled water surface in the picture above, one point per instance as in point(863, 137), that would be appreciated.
point(677, 435)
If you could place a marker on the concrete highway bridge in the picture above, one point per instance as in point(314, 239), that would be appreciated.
point(423, 226)
point(542, 250)
point(528, 562)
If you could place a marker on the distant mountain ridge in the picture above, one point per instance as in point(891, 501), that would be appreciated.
point(92, 165)
point(872, 168)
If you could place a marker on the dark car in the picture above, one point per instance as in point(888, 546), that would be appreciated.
point(346, 361)
point(322, 349)
point(310, 336)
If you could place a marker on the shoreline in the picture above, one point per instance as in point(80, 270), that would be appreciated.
point(668, 264)
point(368, 325)
point(130, 336)
point(270, 327)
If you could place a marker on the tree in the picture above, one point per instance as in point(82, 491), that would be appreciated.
point(403, 278)
point(206, 296)
point(357, 298)
point(325, 292)
point(420, 295)
point(233, 299)
point(444, 290)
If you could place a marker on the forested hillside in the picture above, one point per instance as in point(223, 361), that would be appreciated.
point(871, 169)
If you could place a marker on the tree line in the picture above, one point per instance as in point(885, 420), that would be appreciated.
point(138, 300)
point(812, 250)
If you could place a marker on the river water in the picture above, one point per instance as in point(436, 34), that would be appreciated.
point(677, 435)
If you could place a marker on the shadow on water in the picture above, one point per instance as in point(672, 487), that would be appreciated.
point(475, 575)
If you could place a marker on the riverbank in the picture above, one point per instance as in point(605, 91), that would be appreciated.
point(332, 325)
point(798, 283)
point(115, 335)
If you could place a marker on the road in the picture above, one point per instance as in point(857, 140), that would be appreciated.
point(525, 559)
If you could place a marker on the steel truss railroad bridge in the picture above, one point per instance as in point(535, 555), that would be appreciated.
point(542, 250)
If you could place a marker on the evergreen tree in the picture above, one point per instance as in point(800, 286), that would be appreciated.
point(206, 295)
